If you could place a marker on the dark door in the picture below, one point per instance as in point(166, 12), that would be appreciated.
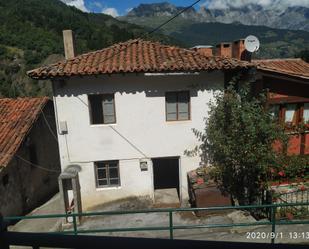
point(166, 173)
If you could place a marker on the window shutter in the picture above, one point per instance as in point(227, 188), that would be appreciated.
point(171, 106)
point(108, 109)
point(183, 106)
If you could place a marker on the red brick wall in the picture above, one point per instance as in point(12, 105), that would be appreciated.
point(306, 144)
point(294, 145)
point(224, 49)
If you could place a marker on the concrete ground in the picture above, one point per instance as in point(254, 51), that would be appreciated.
point(53, 206)
point(241, 234)
point(166, 198)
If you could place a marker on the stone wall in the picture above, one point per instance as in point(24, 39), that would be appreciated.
point(23, 186)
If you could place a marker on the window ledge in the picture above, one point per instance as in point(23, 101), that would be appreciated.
point(102, 125)
point(108, 188)
point(178, 121)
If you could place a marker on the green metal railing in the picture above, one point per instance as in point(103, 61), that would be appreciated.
point(172, 227)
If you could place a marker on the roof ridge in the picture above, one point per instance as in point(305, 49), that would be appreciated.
point(146, 56)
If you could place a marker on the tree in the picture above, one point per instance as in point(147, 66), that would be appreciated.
point(304, 54)
point(238, 142)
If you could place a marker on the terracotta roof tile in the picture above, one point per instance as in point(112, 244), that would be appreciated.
point(136, 56)
point(293, 67)
point(16, 118)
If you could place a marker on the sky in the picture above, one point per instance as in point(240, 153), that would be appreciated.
point(121, 7)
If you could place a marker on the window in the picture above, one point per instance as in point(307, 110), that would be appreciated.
point(107, 174)
point(306, 113)
point(275, 111)
point(102, 109)
point(177, 106)
point(290, 114)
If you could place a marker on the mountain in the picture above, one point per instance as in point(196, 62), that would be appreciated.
point(294, 17)
point(31, 35)
point(212, 26)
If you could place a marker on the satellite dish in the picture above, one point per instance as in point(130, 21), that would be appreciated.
point(252, 44)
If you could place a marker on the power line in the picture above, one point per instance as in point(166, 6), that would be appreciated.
point(124, 49)
point(114, 129)
point(175, 16)
point(152, 31)
point(32, 164)
point(36, 165)
point(48, 126)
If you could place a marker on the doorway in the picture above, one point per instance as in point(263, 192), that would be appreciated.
point(166, 173)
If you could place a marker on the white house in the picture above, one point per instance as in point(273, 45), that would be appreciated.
point(125, 115)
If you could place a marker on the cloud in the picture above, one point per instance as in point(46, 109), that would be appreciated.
point(128, 10)
point(79, 4)
point(281, 4)
point(110, 11)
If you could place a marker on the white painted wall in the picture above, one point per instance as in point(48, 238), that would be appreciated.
point(141, 130)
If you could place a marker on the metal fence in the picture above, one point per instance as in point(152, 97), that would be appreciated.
point(272, 208)
point(297, 196)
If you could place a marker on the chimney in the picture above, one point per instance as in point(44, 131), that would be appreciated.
point(239, 49)
point(224, 49)
point(203, 50)
point(69, 46)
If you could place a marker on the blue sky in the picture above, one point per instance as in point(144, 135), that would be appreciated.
point(121, 7)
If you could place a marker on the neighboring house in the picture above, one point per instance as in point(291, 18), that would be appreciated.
point(29, 156)
point(287, 81)
point(125, 115)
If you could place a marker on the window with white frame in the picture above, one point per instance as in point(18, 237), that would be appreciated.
point(107, 174)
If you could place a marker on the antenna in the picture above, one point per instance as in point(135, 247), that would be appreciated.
point(252, 44)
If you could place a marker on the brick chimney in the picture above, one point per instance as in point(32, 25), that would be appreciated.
point(204, 50)
point(69, 44)
point(239, 49)
point(224, 49)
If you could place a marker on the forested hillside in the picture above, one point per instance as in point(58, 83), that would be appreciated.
point(31, 34)
point(205, 27)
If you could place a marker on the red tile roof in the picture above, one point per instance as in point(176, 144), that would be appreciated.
point(136, 56)
point(290, 67)
point(16, 119)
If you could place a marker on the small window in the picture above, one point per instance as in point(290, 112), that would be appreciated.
point(306, 113)
point(102, 109)
point(290, 114)
point(107, 174)
point(274, 111)
point(177, 106)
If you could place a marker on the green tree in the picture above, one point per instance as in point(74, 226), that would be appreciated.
point(238, 141)
point(304, 54)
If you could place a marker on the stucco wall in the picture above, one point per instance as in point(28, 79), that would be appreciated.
point(141, 130)
point(29, 186)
